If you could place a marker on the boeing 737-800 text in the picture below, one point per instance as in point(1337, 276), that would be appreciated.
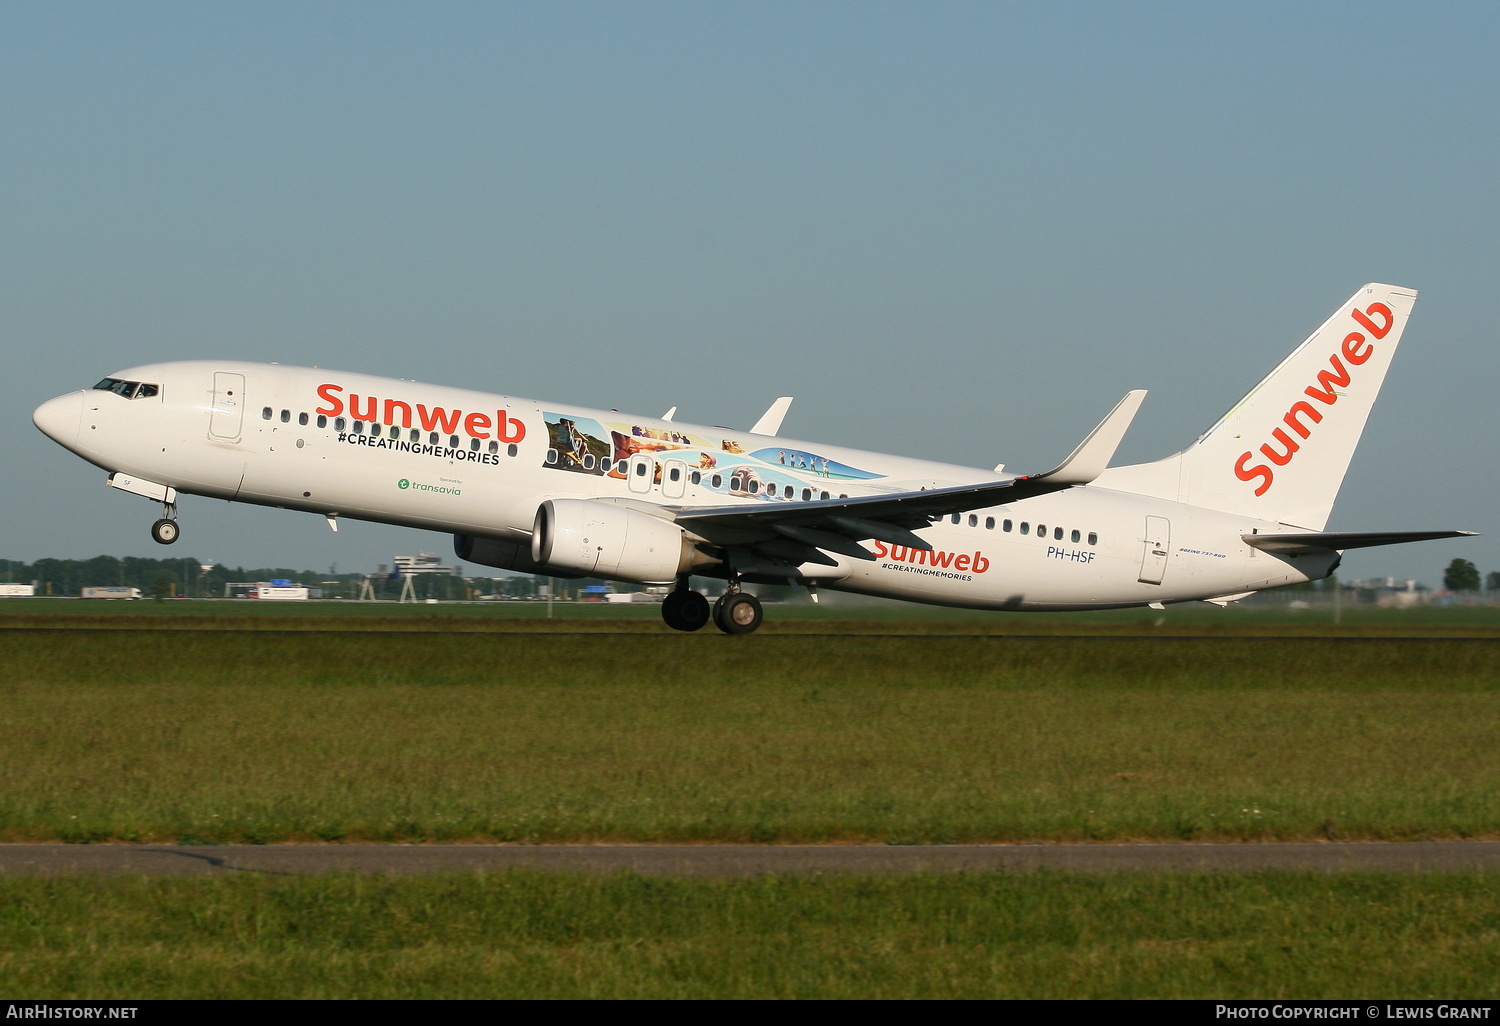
point(547, 488)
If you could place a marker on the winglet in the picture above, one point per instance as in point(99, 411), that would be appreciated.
point(770, 421)
point(1094, 452)
point(669, 414)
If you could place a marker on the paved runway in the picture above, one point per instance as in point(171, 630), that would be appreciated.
point(735, 860)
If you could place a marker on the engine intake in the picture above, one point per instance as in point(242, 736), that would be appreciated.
point(601, 539)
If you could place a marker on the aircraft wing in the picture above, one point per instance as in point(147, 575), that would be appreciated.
point(1323, 541)
point(795, 532)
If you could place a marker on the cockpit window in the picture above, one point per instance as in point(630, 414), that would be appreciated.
point(128, 389)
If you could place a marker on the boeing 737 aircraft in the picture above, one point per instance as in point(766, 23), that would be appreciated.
point(547, 488)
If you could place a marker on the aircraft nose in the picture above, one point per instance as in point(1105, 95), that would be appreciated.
point(59, 418)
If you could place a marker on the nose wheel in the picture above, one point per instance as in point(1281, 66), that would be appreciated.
point(165, 530)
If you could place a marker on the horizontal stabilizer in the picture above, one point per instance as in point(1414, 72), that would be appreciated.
point(1323, 541)
point(1094, 452)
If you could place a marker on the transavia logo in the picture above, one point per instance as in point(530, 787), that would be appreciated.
point(417, 486)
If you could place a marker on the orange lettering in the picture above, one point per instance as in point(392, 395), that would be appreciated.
point(1374, 309)
point(335, 404)
point(508, 428)
point(369, 414)
point(1295, 424)
point(1259, 470)
point(478, 425)
point(980, 563)
point(438, 419)
point(1352, 352)
point(391, 405)
point(961, 563)
point(1338, 376)
point(1275, 457)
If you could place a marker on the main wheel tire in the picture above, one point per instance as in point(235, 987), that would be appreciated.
point(164, 532)
point(738, 613)
point(685, 610)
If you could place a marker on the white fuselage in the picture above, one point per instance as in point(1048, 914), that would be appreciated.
point(471, 463)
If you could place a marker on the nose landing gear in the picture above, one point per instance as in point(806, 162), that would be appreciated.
point(165, 530)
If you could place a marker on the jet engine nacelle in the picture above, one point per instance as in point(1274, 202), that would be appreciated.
point(601, 539)
point(507, 555)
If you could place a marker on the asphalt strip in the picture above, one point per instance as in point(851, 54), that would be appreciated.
point(740, 860)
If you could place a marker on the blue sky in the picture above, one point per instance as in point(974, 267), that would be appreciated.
point(956, 230)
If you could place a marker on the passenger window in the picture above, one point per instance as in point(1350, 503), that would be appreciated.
point(806, 494)
point(786, 493)
point(640, 470)
point(717, 481)
point(954, 518)
point(604, 461)
point(1041, 530)
point(1075, 536)
point(973, 520)
point(395, 432)
point(1005, 526)
point(823, 496)
point(265, 414)
point(494, 446)
point(1057, 534)
point(736, 483)
point(588, 460)
point(551, 456)
point(302, 419)
point(286, 416)
point(695, 478)
point(1093, 538)
point(340, 424)
point(989, 523)
point(675, 474)
point(754, 486)
point(432, 439)
point(512, 449)
point(322, 420)
point(453, 441)
point(1025, 527)
point(473, 445)
point(359, 427)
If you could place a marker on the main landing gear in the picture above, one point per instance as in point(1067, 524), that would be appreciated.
point(165, 530)
point(735, 613)
point(684, 609)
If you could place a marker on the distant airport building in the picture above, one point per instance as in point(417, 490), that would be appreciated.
point(17, 590)
point(278, 590)
point(422, 563)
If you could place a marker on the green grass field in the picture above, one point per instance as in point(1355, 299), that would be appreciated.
point(518, 935)
point(786, 736)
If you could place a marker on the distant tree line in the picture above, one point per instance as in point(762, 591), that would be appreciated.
point(186, 577)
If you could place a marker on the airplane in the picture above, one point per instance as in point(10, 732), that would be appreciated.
point(563, 491)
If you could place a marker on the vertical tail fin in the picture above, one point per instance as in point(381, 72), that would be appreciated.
point(1281, 452)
